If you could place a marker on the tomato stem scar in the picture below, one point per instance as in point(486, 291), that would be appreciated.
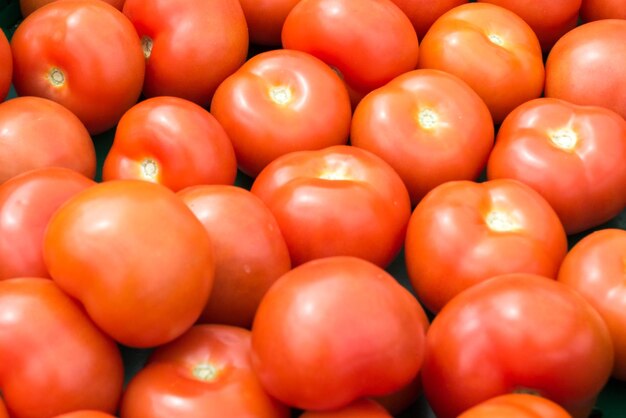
point(205, 372)
point(496, 39)
point(280, 94)
point(427, 118)
point(500, 221)
point(56, 77)
point(565, 139)
point(146, 45)
point(149, 169)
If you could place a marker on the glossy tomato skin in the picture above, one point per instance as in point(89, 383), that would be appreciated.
point(281, 101)
point(532, 330)
point(491, 49)
point(37, 132)
point(190, 60)
point(250, 251)
point(125, 247)
point(361, 408)
point(6, 66)
point(336, 329)
point(171, 141)
point(55, 360)
point(205, 373)
point(573, 155)
point(594, 267)
point(586, 66)
point(29, 6)
point(86, 414)
point(96, 69)
point(265, 19)
point(423, 13)
point(27, 202)
point(430, 126)
point(464, 232)
point(350, 35)
point(336, 201)
point(602, 9)
point(516, 405)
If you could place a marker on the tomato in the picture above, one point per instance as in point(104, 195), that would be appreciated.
point(6, 66)
point(594, 267)
point(96, 69)
point(516, 405)
point(516, 333)
point(54, 359)
point(135, 256)
point(336, 329)
point(573, 155)
point(491, 49)
point(265, 19)
point(171, 141)
point(189, 60)
point(281, 101)
point(336, 201)
point(204, 373)
point(430, 126)
point(361, 408)
point(423, 13)
point(586, 66)
point(3, 410)
point(548, 19)
point(463, 233)
point(37, 132)
point(29, 6)
point(250, 252)
point(27, 202)
point(369, 42)
point(86, 414)
point(602, 9)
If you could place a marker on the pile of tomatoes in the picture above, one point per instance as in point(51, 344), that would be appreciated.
point(315, 208)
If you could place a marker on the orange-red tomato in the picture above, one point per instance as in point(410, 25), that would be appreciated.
point(27, 202)
point(85, 413)
point(250, 251)
point(423, 13)
point(281, 101)
point(602, 9)
point(95, 69)
point(430, 126)
point(463, 233)
point(361, 408)
point(135, 256)
point(6, 66)
point(3, 410)
point(171, 141)
point(29, 6)
point(37, 132)
point(205, 373)
point(190, 47)
point(491, 49)
point(586, 66)
point(265, 19)
point(516, 405)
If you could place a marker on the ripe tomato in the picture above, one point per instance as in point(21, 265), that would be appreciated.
point(27, 202)
point(423, 13)
point(516, 405)
point(85, 413)
point(95, 69)
point(369, 42)
point(250, 252)
point(594, 267)
point(205, 373)
point(171, 141)
point(135, 256)
point(6, 66)
point(573, 155)
point(3, 410)
point(602, 9)
point(37, 132)
point(281, 101)
point(491, 49)
point(265, 19)
point(463, 233)
point(336, 201)
point(430, 126)
point(361, 408)
point(29, 6)
point(586, 66)
point(336, 329)
point(54, 359)
point(189, 60)
point(516, 333)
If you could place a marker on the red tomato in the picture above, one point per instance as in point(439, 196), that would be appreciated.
point(369, 42)
point(37, 133)
point(135, 256)
point(86, 414)
point(430, 126)
point(549, 19)
point(250, 252)
point(27, 202)
point(463, 233)
point(95, 69)
point(516, 333)
point(336, 201)
point(206, 373)
point(29, 6)
point(573, 155)
point(336, 329)
point(586, 66)
point(189, 60)
point(281, 101)
point(3, 410)
point(54, 359)
point(265, 19)
point(423, 13)
point(6, 66)
point(173, 142)
point(516, 405)
point(361, 408)
point(602, 9)
point(594, 267)
point(491, 49)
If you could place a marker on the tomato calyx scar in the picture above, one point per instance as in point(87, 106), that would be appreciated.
point(56, 77)
point(206, 372)
point(281, 95)
point(500, 221)
point(146, 46)
point(427, 119)
point(565, 139)
point(149, 169)
point(495, 39)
